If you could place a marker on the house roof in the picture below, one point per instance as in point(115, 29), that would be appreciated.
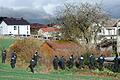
point(49, 29)
point(14, 21)
point(37, 26)
point(111, 23)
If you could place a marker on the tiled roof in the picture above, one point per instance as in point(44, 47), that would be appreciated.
point(37, 26)
point(111, 23)
point(49, 29)
point(14, 21)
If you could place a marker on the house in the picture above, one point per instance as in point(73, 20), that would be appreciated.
point(109, 30)
point(37, 26)
point(109, 36)
point(14, 26)
point(49, 33)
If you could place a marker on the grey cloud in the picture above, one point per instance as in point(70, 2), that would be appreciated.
point(41, 9)
point(30, 14)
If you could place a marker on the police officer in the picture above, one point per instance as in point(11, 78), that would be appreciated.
point(62, 63)
point(13, 59)
point(70, 62)
point(55, 62)
point(3, 56)
point(81, 61)
point(32, 65)
point(116, 63)
point(101, 60)
point(91, 61)
point(36, 57)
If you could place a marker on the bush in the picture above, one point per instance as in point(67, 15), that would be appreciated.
point(86, 57)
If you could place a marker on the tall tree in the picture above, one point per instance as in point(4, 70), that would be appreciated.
point(81, 21)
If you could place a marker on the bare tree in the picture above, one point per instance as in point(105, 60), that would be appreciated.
point(81, 22)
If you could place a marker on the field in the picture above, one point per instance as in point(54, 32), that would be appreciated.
point(6, 73)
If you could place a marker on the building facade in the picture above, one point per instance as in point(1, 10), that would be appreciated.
point(13, 26)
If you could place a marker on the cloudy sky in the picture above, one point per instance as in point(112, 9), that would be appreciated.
point(44, 9)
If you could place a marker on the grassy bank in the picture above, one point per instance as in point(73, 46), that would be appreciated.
point(6, 73)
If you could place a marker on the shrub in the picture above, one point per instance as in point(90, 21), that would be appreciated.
point(86, 57)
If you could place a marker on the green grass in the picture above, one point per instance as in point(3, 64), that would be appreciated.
point(5, 43)
point(6, 73)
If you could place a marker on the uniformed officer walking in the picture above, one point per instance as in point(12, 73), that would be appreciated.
point(81, 62)
point(91, 61)
point(36, 57)
point(32, 65)
point(55, 62)
point(62, 63)
point(4, 52)
point(101, 60)
point(70, 62)
point(13, 59)
point(116, 63)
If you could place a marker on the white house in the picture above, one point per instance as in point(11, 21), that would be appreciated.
point(49, 33)
point(14, 26)
point(109, 35)
point(110, 29)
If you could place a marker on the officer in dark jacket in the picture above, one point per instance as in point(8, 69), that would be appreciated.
point(116, 63)
point(36, 57)
point(81, 61)
point(55, 62)
point(13, 59)
point(91, 61)
point(62, 63)
point(101, 60)
point(70, 62)
point(3, 56)
point(32, 65)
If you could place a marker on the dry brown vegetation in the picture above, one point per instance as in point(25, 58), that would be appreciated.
point(26, 48)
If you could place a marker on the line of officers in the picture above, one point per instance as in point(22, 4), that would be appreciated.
point(93, 63)
point(62, 63)
point(13, 58)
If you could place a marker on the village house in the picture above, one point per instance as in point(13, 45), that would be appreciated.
point(49, 33)
point(109, 36)
point(14, 26)
point(110, 29)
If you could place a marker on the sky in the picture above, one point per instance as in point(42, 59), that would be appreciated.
point(45, 9)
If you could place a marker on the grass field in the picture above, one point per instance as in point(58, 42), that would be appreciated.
point(5, 43)
point(6, 73)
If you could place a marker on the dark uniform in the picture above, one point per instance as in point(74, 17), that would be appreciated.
point(3, 56)
point(81, 61)
point(62, 63)
point(116, 63)
point(13, 59)
point(91, 61)
point(36, 58)
point(101, 60)
point(70, 62)
point(32, 65)
point(55, 62)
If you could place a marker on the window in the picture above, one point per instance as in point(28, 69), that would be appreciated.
point(119, 32)
point(15, 27)
point(27, 27)
point(109, 32)
point(27, 32)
